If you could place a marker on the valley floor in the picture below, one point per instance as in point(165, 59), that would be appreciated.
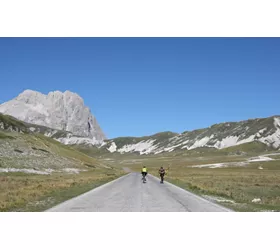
point(251, 185)
point(37, 173)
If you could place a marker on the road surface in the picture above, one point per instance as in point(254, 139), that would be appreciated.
point(129, 194)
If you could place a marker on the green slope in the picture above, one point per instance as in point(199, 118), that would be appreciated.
point(37, 172)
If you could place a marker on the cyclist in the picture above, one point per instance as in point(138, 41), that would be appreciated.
point(161, 172)
point(144, 173)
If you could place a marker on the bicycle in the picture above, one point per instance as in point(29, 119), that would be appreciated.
point(144, 178)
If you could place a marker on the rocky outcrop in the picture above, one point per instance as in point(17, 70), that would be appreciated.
point(62, 111)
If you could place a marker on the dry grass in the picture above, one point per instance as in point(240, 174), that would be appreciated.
point(241, 185)
point(275, 157)
point(21, 192)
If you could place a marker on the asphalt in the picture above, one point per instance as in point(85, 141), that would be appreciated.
point(130, 194)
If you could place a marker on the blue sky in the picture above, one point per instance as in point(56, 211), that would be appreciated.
point(141, 86)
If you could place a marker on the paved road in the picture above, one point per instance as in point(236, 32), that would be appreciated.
point(129, 194)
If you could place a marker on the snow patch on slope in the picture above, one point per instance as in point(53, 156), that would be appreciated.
point(159, 151)
point(262, 130)
point(232, 141)
point(260, 158)
point(234, 164)
point(113, 147)
point(259, 134)
point(51, 133)
point(78, 141)
point(143, 147)
point(170, 149)
point(32, 129)
point(201, 143)
point(273, 139)
point(220, 165)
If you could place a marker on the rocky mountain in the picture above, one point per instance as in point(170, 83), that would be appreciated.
point(218, 136)
point(58, 111)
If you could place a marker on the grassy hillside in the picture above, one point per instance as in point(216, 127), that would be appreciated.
point(12, 123)
point(219, 136)
point(160, 137)
point(120, 142)
point(37, 172)
point(248, 148)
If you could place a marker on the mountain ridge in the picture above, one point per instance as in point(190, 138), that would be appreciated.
point(220, 136)
point(65, 118)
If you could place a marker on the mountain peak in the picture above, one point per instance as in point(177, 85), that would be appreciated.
point(29, 92)
point(63, 111)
